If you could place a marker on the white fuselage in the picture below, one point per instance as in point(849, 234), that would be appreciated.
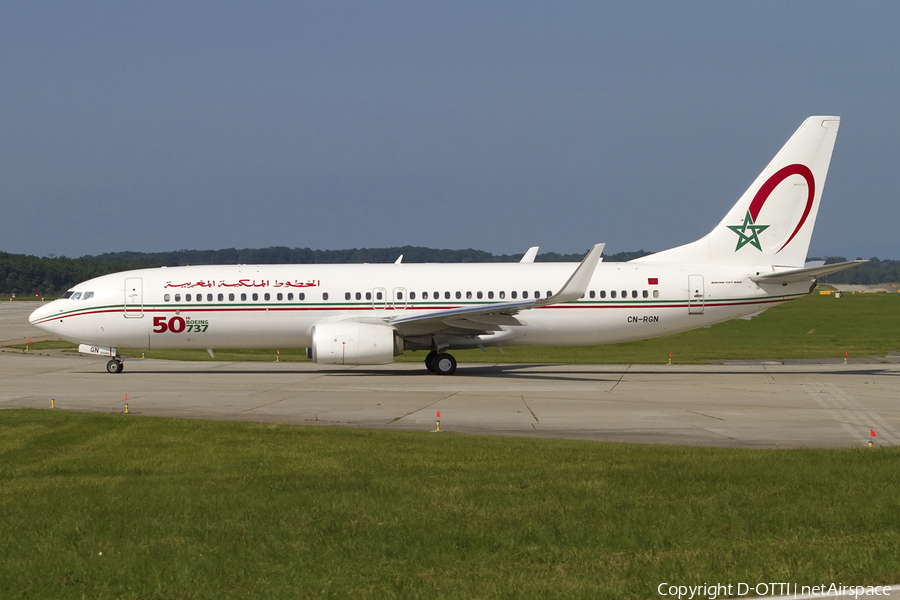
point(277, 306)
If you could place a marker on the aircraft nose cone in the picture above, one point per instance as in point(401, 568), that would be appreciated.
point(40, 317)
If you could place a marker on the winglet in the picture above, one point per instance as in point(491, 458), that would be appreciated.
point(577, 284)
point(399, 260)
point(530, 255)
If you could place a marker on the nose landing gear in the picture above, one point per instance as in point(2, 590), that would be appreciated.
point(115, 366)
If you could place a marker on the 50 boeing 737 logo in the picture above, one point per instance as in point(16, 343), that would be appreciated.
point(179, 325)
point(368, 314)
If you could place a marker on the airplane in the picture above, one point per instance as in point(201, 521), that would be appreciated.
point(366, 314)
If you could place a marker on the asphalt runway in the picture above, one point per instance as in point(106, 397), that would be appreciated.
point(760, 405)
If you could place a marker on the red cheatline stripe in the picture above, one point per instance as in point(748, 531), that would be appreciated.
point(201, 309)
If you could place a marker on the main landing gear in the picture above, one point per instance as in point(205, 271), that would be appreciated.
point(442, 364)
point(115, 365)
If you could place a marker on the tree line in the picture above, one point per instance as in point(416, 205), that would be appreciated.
point(23, 275)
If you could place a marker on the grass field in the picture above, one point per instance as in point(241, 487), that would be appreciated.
point(113, 506)
point(863, 325)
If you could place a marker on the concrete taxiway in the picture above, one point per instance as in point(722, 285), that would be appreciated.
point(749, 405)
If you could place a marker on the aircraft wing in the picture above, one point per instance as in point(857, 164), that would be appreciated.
point(806, 273)
point(486, 318)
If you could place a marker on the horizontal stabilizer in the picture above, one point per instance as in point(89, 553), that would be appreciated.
point(805, 274)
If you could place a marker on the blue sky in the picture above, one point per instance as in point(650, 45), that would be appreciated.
point(155, 126)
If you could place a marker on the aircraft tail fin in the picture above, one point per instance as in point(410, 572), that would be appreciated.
point(772, 222)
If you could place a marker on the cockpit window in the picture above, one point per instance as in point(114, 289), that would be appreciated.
point(87, 295)
point(67, 295)
point(76, 296)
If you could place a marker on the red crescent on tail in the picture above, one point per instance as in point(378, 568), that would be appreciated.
point(772, 182)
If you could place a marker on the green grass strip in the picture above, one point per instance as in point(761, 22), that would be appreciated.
point(194, 509)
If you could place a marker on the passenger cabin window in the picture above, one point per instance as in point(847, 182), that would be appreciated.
point(603, 293)
point(378, 295)
point(187, 297)
point(231, 297)
point(645, 293)
point(368, 295)
point(255, 296)
point(290, 296)
point(656, 293)
point(267, 297)
point(458, 295)
point(243, 297)
point(480, 295)
point(325, 295)
point(468, 295)
point(446, 295)
point(512, 295)
point(537, 295)
point(346, 295)
point(399, 295)
point(490, 295)
point(177, 297)
point(634, 293)
point(221, 297)
point(502, 295)
point(412, 295)
point(167, 297)
point(279, 296)
point(424, 295)
point(624, 293)
point(301, 296)
point(359, 295)
point(525, 294)
point(592, 294)
point(612, 294)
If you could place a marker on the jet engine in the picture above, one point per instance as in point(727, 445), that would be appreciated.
point(354, 343)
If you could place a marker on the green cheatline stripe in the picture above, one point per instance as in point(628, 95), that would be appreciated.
point(412, 305)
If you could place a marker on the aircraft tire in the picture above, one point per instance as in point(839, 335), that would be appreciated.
point(429, 360)
point(444, 364)
point(114, 366)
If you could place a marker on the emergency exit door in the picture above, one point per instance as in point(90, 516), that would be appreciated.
point(134, 298)
point(696, 294)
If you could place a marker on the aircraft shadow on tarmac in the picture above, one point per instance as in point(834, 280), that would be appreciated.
point(509, 371)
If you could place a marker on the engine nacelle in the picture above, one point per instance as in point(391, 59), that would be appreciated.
point(354, 343)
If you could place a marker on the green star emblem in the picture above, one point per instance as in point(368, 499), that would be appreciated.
point(744, 237)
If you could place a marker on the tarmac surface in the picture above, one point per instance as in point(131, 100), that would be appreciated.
point(762, 405)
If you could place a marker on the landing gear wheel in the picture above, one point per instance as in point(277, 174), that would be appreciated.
point(429, 360)
point(114, 366)
point(444, 364)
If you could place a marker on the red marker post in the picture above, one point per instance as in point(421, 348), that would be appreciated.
point(437, 422)
point(845, 357)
